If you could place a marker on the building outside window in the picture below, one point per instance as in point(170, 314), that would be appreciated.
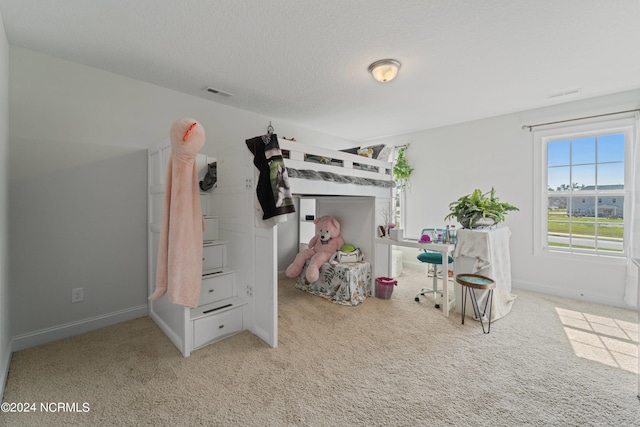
point(583, 175)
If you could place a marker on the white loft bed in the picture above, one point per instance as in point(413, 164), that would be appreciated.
point(252, 249)
point(356, 190)
point(322, 171)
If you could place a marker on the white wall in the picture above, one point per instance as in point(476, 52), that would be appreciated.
point(77, 187)
point(5, 323)
point(452, 161)
point(288, 238)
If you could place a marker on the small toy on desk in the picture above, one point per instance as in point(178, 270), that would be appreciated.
point(425, 239)
point(322, 248)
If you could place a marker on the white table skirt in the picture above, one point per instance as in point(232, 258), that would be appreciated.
point(485, 252)
point(346, 284)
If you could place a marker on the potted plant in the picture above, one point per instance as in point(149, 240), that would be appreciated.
point(402, 171)
point(479, 209)
point(401, 175)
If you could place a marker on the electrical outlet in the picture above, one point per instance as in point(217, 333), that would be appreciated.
point(250, 290)
point(77, 295)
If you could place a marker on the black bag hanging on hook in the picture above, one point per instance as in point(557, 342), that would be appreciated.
point(273, 191)
point(210, 178)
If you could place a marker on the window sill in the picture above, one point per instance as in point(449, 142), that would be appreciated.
point(580, 257)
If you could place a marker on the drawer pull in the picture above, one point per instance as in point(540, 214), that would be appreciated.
point(217, 308)
point(212, 273)
point(210, 291)
point(221, 326)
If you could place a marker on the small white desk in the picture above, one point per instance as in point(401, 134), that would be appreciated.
point(444, 248)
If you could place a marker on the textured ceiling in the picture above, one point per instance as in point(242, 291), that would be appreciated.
point(305, 61)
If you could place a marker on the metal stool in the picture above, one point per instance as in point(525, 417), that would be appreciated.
point(475, 281)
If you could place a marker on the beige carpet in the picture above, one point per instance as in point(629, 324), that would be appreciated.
point(550, 362)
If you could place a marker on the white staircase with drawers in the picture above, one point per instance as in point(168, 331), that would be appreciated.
point(220, 312)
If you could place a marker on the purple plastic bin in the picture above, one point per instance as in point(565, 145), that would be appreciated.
point(384, 287)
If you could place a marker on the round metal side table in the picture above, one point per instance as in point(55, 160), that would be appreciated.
point(470, 283)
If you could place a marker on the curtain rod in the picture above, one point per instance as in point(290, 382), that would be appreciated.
point(530, 127)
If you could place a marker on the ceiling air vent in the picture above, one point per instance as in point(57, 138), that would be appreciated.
point(217, 91)
point(564, 93)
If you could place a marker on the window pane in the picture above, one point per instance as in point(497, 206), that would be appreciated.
point(583, 223)
point(583, 206)
point(584, 176)
point(558, 178)
point(611, 174)
point(558, 206)
point(558, 153)
point(611, 224)
point(583, 150)
point(611, 148)
point(558, 221)
point(612, 207)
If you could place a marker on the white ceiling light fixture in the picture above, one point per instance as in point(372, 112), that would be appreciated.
point(384, 70)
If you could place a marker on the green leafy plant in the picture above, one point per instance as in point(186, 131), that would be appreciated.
point(401, 175)
point(402, 170)
point(479, 208)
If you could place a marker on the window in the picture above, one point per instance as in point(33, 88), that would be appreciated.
point(584, 182)
point(401, 167)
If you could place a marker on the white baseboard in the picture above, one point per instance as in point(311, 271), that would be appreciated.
point(173, 337)
point(43, 336)
point(5, 361)
point(541, 288)
point(575, 294)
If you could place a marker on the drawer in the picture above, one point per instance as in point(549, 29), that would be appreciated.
point(213, 256)
point(204, 203)
point(216, 287)
point(217, 326)
point(211, 228)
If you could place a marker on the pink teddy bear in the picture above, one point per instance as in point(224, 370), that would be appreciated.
point(321, 248)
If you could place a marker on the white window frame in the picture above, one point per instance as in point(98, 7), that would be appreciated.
point(541, 194)
point(402, 218)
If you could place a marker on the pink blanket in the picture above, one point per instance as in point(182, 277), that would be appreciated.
point(179, 270)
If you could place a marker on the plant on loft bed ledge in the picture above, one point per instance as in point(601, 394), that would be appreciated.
point(479, 209)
